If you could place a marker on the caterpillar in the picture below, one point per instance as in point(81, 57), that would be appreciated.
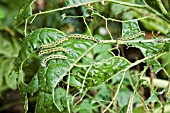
point(132, 37)
point(53, 44)
point(80, 36)
point(42, 52)
point(130, 104)
point(77, 36)
point(45, 60)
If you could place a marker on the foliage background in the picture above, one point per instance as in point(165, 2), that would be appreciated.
point(97, 98)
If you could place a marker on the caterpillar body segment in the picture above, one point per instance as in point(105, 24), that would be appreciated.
point(47, 51)
point(80, 36)
point(45, 60)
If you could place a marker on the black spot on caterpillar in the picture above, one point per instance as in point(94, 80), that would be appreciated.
point(45, 60)
point(42, 52)
point(53, 44)
point(132, 37)
point(80, 36)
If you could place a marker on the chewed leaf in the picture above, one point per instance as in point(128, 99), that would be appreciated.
point(148, 49)
point(102, 71)
point(130, 28)
point(33, 41)
point(57, 68)
point(50, 76)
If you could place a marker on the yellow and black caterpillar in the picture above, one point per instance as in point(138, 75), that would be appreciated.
point(45, 60)
point(76, 36)
point(56, 49)
point(53, 44)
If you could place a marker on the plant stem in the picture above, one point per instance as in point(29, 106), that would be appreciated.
point(67, 93)
point(134, 41)
point(162, 8)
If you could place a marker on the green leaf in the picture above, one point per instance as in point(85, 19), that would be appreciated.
point(10, 80)
point(101, 71)
point(33, 85)
point(32, 42)
point(60, 98)
point(152, 98)
point(75, 82)
point(44, 103)
point(47, 78)
point(102, 51)
point(25, 11)
point(87, 107)
point(2, 13)
point(23, 93)
point(104, 55)
point(103, 93)
point(50, 76)
point(101, 48)
point(123, 97)
point(7, 54)
point(130, 28)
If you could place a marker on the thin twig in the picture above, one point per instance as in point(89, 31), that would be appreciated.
point(25, 29)
point(135, 41)
point(152, 85)
point(117, 91)
point(67, 94)
point(108, 30)
point(116, 20)
point(87, 26)
point(130, 104)
point(135, 88)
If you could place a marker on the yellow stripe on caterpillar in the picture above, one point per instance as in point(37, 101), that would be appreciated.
point(45, 60)
point(46, 51)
